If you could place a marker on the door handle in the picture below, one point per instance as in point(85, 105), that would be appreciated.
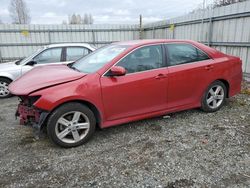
point(160, 76)
point(209, 67)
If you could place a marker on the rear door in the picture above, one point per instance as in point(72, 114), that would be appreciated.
point(142, 90)
point(190, 71)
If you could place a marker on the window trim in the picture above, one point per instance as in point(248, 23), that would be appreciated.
point(167, 53)
point(146, 45)
point(61, 56)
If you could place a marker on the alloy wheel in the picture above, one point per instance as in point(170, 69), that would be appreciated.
point(4, 90)
point(215, 96)
point(72, 127)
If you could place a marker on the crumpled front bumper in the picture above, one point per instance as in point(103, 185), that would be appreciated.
point(29, 115)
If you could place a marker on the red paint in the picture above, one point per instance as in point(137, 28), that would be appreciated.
point(131, 97)
point(26, 112)
point(42, 77)
point(117, 71)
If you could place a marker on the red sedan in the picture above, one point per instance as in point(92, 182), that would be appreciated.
point(124, 82)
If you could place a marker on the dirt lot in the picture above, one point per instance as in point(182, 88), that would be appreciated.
point(188, 149)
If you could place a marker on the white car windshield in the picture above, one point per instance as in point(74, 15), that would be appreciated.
point(99, 58)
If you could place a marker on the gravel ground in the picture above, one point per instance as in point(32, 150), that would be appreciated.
point(188, 149)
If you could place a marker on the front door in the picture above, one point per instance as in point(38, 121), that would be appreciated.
point(142, 90)
point(47, 57)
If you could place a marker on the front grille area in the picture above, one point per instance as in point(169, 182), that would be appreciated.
point(27, 113)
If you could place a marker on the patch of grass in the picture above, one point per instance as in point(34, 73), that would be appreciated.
point(245, 91)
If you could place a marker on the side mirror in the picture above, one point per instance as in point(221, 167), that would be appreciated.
point(31, 63)
point(117, 71)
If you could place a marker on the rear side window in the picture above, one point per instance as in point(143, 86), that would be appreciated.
point(142, 59)
point(184, 53)
point(75, 53)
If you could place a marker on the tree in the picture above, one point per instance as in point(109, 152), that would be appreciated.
point(75, 19)
point(220, 3)
point(19, 12)
point(216, 3)
point(78, 19)
point(91, 19)
point(86, 19)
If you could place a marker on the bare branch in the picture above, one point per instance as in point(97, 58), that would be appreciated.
point(19, 12)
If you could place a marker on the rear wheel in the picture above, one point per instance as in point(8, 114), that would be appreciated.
point(4, 90)
point(214, 97)
point(71, 125)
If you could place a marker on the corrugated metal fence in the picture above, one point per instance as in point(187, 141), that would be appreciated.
point(17, 41)
point(225, 28)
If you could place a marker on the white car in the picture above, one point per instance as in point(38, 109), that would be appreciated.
point(63, 53)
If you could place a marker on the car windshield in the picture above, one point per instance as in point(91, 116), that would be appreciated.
point(98, 58)
point(22, 61)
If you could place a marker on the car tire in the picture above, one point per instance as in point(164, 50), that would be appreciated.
point(4, 91)
point(214, 97)
point(71, 125)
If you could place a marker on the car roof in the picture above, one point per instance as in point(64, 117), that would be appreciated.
point(71, 44)
point(213, 53)
point(152, 41)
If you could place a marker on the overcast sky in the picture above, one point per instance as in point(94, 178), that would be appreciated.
point(103, 11)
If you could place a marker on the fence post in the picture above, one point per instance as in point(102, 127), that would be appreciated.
point(93, 37)
point(140, 34)
point(153, 32)
point(49, 36)
point(1, 59)
point(210, 31)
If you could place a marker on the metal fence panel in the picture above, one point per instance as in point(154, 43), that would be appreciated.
point(18, 41)
point(225, 28)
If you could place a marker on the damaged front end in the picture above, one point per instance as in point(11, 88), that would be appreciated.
point(30, 115)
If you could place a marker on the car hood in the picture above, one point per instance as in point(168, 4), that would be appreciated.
point(43, 77)
point(8, 66)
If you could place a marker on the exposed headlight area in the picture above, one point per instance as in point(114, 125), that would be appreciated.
point(28, 100)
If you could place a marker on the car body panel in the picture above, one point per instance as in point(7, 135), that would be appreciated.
point(153, 97)
point(42, 77)
point(10, 70)
point(137, 95)
point(184, 88)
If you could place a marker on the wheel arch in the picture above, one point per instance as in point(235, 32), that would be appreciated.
point(90, 105)
point(6, 77)
point(226, 83)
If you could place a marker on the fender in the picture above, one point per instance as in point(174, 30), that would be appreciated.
point(6, 75)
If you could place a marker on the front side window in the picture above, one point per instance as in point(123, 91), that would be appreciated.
point(49, 56)
point(74, 53)
point(100, 57)
point(142, 59)
point(184, 53)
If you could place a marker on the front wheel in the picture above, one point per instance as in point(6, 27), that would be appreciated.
point(214, 97)
point(71, 125)
point(4, 90)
